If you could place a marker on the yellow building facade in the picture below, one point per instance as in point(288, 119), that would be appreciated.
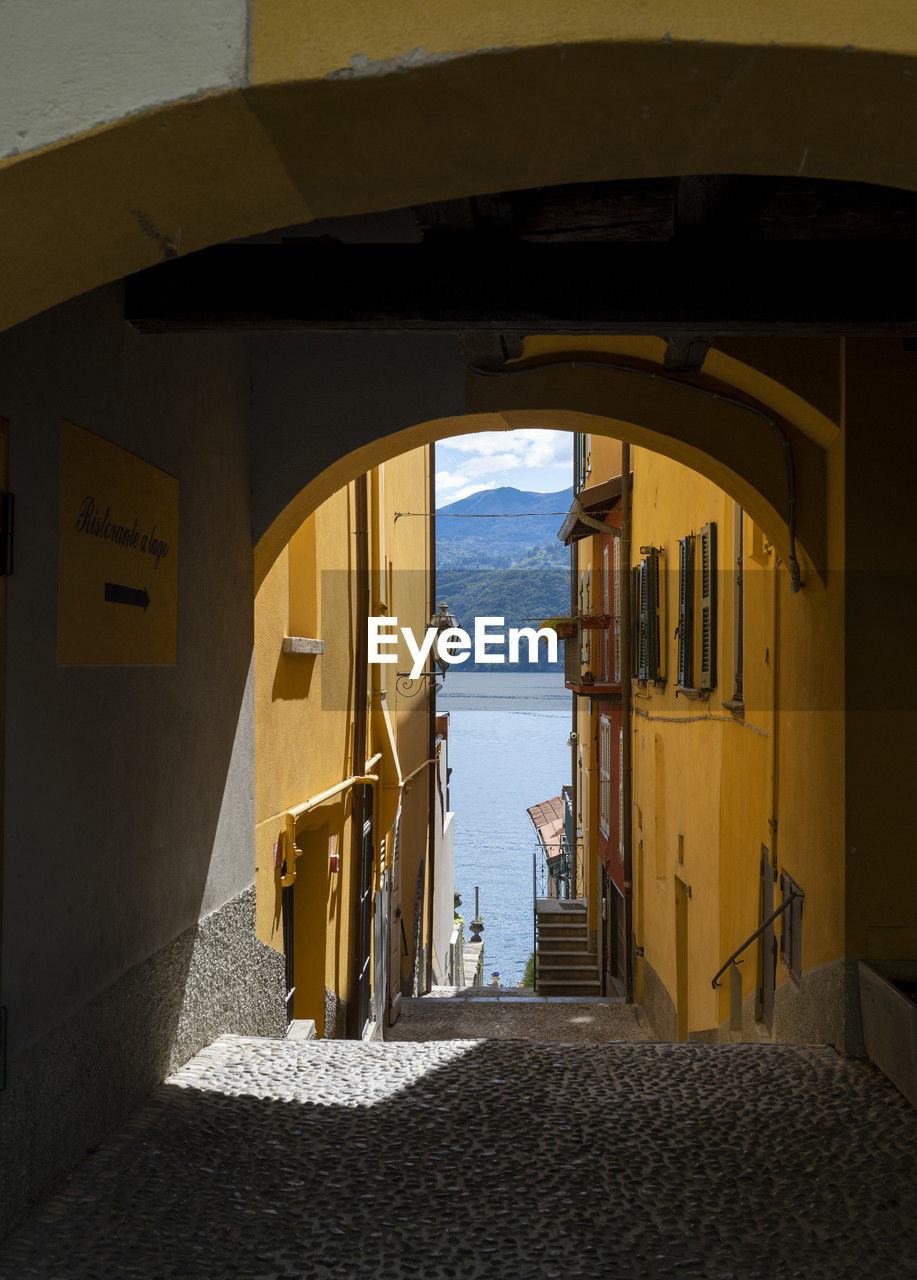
point(730, 710)
point(313, 687)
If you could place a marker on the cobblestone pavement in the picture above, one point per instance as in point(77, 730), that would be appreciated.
point(510, 1016)
point(272, 1160)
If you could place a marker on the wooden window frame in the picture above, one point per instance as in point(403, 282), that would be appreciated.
point(605, 776)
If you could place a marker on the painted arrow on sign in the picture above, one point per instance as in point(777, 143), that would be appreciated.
point(116, 594)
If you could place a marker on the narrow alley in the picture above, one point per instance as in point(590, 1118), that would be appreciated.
point(275, 1159)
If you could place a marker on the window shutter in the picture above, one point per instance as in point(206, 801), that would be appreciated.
point(686, 612)
point(708, 607)
point(616, 611)
point(620, 795)
point(643, 666)
point(655, 617)
point(635, 624)
point(605, 776)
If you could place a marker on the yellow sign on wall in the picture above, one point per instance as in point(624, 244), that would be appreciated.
point(118, 555)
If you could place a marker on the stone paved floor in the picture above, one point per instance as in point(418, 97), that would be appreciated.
point(271, 1160)
point(510, 1016)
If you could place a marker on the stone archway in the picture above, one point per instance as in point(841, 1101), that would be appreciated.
point(725, 432)
point(316, 112)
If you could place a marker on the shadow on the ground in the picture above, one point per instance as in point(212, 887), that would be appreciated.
point(504, 1160)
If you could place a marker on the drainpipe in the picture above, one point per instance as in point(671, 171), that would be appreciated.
point(626, 741)
point(431, 730)
point(574, 733)
point(360, 692)
point(775, 726)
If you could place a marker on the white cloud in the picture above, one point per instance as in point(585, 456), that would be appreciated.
point(453, 485)
point(529, 446)
point(527, 458)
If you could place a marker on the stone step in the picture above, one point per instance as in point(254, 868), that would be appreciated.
point(567, 960)
point(569, 987)
point(550, 946)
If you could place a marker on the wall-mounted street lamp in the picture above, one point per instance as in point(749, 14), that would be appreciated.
point(443, 620)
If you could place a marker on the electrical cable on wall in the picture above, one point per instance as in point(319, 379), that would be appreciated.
point(795, 574)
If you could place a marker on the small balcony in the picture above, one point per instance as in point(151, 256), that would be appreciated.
point(592, 657)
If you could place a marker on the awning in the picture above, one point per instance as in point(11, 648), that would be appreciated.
point(596, 501)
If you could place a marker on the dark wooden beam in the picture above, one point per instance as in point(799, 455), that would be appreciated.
point(467, 283)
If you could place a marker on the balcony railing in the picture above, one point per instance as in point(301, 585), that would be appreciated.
point(592, 657)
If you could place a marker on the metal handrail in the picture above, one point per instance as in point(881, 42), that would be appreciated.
point(291, 848)
point(787, 902)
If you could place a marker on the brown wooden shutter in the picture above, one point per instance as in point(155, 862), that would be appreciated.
point(708, 607)
point(686, 612)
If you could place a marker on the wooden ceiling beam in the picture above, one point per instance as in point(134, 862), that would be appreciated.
point(503, 285)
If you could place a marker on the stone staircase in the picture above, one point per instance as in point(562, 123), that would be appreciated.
point(567, 966)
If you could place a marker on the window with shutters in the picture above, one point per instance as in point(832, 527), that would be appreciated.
point(685, 633)
point(585, 606)
point(605, 776)
point(606, 608)
point(616, 610)
point(621, 795)
point(707, 656)
point(582, 459)
point(648, 613)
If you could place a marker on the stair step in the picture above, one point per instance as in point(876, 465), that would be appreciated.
point(569, 988)
point(586, 957)
point(572, 971)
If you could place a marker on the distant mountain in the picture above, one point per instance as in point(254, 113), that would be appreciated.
point(514, 568)
point(499, 542)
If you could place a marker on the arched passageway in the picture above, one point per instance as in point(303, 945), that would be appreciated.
point(314, 114)
point(729, 424)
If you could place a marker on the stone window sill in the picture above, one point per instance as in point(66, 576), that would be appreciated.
point(302, 646)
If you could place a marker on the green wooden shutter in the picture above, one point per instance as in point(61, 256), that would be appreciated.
point(686, 612)
point(652, 597)
point(708, 607)
point(655, 617)
point(643, 666)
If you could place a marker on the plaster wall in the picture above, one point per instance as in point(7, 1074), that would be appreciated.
point(128, 797)
point(881, 618)
point(305, 721)
point(310, 410)
point(68, 67)
point(167, 136)
point(128, 907)
point(710, 779)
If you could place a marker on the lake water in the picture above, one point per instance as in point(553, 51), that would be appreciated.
point(507, 751)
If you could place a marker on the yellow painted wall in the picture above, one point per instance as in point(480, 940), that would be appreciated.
point(349, 109)
point(304, 718)
point(703, 776)
point(408, 551)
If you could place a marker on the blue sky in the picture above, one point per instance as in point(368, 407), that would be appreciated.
point(538, 461)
